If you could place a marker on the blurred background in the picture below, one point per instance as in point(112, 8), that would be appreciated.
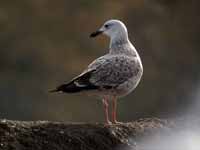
point(44, 43)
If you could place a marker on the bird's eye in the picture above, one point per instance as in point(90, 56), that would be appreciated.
point(106, 26)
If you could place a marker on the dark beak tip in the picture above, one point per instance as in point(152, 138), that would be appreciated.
point(94, 34)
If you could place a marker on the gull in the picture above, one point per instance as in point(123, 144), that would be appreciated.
point(113, 75)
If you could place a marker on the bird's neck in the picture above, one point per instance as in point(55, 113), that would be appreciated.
point(116, 41)
point(120, 44)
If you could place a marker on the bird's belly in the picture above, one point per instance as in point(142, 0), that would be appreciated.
point(127, 87)
point(121, 90)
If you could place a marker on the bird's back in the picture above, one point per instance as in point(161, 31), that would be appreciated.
point(114, 69)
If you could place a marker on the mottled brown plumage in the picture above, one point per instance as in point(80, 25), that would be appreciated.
point(113, 75)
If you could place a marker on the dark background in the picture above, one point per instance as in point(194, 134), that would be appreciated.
point(44, 43)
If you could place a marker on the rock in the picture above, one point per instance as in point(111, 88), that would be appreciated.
point(47, 135)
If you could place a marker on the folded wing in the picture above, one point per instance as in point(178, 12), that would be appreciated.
point(105, 72)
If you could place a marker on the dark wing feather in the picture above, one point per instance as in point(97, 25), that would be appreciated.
point(80, 83)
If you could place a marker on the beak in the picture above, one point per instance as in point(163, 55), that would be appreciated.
point(96, 33)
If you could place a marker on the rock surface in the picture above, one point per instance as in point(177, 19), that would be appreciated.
point(46, 135)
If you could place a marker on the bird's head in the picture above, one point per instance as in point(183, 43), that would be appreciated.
point(111, 28)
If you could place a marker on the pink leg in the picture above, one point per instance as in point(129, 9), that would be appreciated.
point(114, 109)
point(105, 104)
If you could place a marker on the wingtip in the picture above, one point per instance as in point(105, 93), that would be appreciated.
point(53, 91)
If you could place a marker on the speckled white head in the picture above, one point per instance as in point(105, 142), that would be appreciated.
point(113, 29)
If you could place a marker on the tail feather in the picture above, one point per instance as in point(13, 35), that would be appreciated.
point(68, 88)
point(81, 83)
point(55, 90)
